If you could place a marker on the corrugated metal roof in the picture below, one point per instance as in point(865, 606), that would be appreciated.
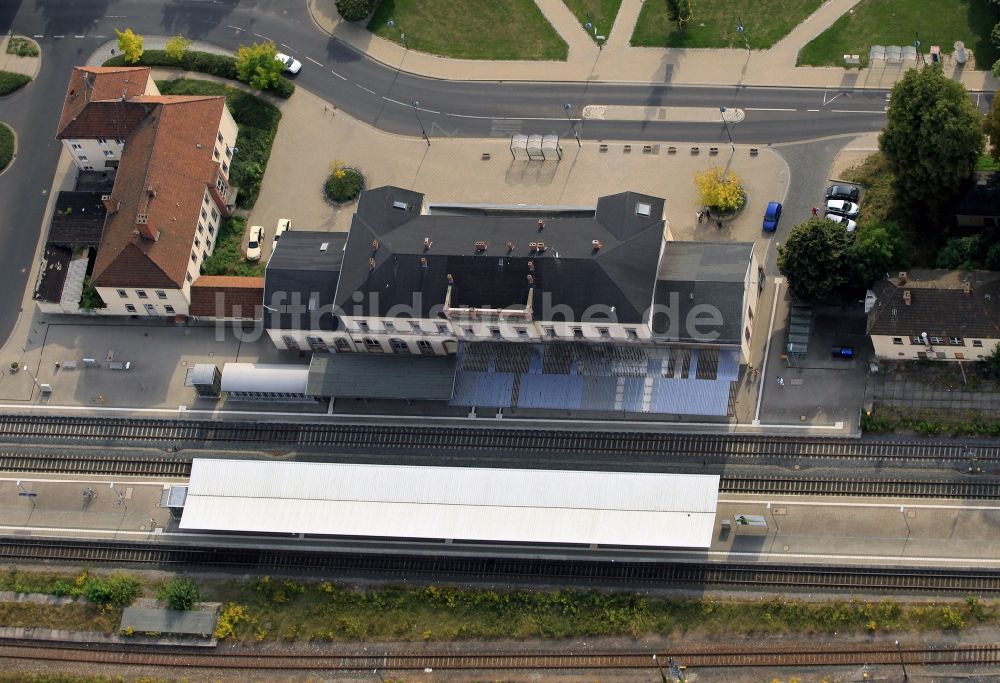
point(262, 377)
point(532, 506)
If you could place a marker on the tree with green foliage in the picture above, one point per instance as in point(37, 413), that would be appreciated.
point(118, 590)
point(932, 140)
point(354, 10)
point(991, 126)
point(962, 253)
point(258, 65)
point(179, 594)
point(130, 45)
point(996, 69)
point(993, 361)
point(816, 261)
point(176, 47)
point(679, 12)
point(878, 248)
point(90, 299)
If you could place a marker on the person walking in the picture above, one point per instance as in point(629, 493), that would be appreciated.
point(701, 216)
point(815, 211)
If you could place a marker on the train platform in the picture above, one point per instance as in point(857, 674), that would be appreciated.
point(827, 531)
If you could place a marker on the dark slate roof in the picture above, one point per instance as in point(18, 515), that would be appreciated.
point(982, 197)
point(302, 276)
point(698, 274)
point(369, 375)
point(938, 305)
point(55, 266)
point(78, 219)
point(570, 272)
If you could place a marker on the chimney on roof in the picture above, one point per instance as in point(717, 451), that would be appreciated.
point(540, 247)
point(427, 243)
point(480, 247)
point(150, 191)
point(531, 279)
point(371, 263)
point(907, 297)
point(109, 204)
point(510, 247)
point(451, 279)
point(541, 225)
point(967, 289)
point(531, 266)
point(902, 277)
point(145, 230)
point(375, 245)
point(596, 244)
point(423, 263)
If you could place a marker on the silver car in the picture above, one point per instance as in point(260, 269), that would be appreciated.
point(847, 222)
point(842, 207)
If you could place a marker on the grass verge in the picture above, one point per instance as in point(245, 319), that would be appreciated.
point(22, 47)
point(78, 616)
point(228, 257)
point(899, 22)
point(258, 124)
point(713, 23)
point(9, 82)
point(499, 29)
point(6, 145)
point(222, 66)
point(600, 13)
point(987, 163)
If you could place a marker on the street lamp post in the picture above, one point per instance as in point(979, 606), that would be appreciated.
point(416, 106)
point(600, 39)
point(576, 134)
point(902, 510)
point(776, 529)
point(916, 44)
point(402, 36)
point(742, 30)
point(121, 497)
point(899, 651)
point(25, 493)
point(722, 110)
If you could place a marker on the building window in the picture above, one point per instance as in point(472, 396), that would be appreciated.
point(215, 153)
point(372, 344)
point(220, 136)
point(102, 141)
point(225, 167)
point(978, 343)
point(119, 141)
point(469, 332)
point(290, 342)
point(425, 347)
point(197, 242)
point(76, 146)
point(399, 346)
point(229, 152)
point(630, 333)
point(341, 344)
point(204, 255)
point(194, 257)
point(604, 332)
point(415, 326)
point(363, 325)
point(215, 215)
point(211, 229)
point(317, 344)
point(916, 340)
point(495, 332)
point(130, 308)
point(208, 243)
point(204, 201)
point(442, 328)
point(937, 340)
point(189, 278)
point(746, 333)
point(521, 332)
point(577, 333)
point(549, 330)
point(389, 326)
point(749, 313)
point(160, 294)
point(204, 214)
point(897, 340)
point(122, 294)
point(168, 308)
point(83, 159)
point(109, 154)
point(955, 341)
point(141, 293)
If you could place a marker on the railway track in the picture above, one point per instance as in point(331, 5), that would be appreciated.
point(653, 573)
point(180, 467)
point(358, 438)
point(734, 656)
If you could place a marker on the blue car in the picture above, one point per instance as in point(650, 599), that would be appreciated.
point(771, 216)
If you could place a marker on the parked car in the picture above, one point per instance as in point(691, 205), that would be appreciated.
point(842, 208)
point(847, 222)
point(771, 216)
point(292, 65)
point(284, 225)
point(253, 246)
point(842, 351)
point(848, 192)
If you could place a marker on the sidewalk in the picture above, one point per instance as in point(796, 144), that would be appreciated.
point(619, 62)
point(28, 66)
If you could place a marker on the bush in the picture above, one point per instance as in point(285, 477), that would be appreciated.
point(344, 184)
point(180, 594)
point(9, 82)
point(354, 10)
point(996, 69)
point(90, 300)
point(720, 190)
point(222, 66)
point(6, 145)
point(227, 259)
point(117, 590)
point(22, 47)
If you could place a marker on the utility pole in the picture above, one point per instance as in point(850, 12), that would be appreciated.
point(725, 121)
point(567, 107)
point(742, 30)
point(416, 106)
point(899, 651)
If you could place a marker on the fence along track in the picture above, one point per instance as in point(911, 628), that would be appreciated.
point(734, 657)
point(626, 573)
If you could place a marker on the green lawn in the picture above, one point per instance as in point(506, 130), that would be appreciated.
point(471, 29)
point(713, 23)
point(600, 13)
point(9, 82)
point(6, 145)
point(897, 22)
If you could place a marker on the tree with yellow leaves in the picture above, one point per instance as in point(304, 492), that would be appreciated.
point(130, 44)
point(720, 190)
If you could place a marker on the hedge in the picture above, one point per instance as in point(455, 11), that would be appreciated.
point(222, 66)
point(9, 82)
point(6, 145)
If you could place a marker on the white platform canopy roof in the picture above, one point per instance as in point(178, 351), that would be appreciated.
point(502, 505)
point(265, 378)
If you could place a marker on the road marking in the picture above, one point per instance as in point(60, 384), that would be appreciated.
point(812, 109)
point(79, 36)
point(338, 75)
point(402, 104)
point(260, 36)
point(365, 89)
point(58, 36)
point(766, 109)
point(855, 111)
point(38, 35)
point(314, 61)
point(828, 101)
point(235, 28)
point(287, 47)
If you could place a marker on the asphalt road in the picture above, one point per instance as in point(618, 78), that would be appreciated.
point(69, 31)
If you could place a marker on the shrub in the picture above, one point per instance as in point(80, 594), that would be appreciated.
point(130, 45)
point(995, 35)
point(231, 616)
point(117, 590)
point(6, 145)
point(222, 66)
point(354, 10)
point(720, 190)
point(257, 65)
point(180, 594)
point(176, 47)
point(344, 184)
point(9, 82)
point(90, 300)
point(996, 69)
point(22, 47)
